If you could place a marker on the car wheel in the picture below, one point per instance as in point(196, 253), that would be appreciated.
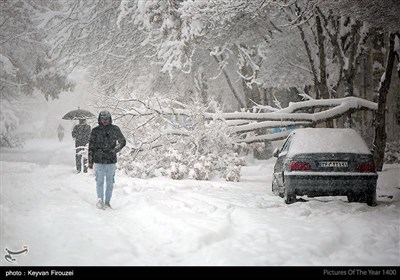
point(289, 197)
point(276, 190)
point(370, 198)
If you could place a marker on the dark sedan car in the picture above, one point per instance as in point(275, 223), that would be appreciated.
point(325, 162)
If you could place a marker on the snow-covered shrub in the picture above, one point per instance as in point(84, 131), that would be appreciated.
point(201, 169)
point(177, 170)
point(136, 165)
point(392, 152)
point(232, 167)
point(9, 122)
point(233, 173)
point(183, 146)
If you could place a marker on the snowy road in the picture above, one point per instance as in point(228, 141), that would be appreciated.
point(50, 209)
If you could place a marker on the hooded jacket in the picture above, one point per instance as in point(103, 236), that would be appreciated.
point(105, 142)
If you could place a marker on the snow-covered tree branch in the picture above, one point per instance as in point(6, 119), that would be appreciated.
point(333, 109)
point(24, 64)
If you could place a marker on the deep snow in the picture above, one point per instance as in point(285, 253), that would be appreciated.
point(46, 206)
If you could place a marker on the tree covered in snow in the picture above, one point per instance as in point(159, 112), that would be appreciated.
point(174, 144)
point(24, 63)
point(189, 140)
point(236, 34)
point(334, 45)
point(383, 16)
point(380, 120)
point(148, 52)
point(214, 57)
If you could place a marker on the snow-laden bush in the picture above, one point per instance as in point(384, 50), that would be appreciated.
point(9, 122)
point(392, 152)
point(186, 147)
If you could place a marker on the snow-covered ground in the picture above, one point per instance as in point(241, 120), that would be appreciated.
point(51, 210)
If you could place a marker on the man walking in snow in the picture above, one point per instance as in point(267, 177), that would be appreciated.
point(81, 134)
point(106, 140)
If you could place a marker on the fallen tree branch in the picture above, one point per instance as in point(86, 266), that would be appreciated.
point(243, 122)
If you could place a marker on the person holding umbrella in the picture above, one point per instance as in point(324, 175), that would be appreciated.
point(106, 140)
point(81, 134)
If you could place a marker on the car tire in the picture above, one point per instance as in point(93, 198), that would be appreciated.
point(289, 197)
point(368, 198)
point(276, 190)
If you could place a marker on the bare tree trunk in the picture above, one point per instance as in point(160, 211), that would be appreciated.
point(350, 72)
point(202, 87)
point(238, 99)
point(364, 95)
point(317, 83)
point(322, 64)
point(303, 36)
point(397, 54)
point(253, 94)
point(348, 85)
point(380, 117)
point(322, 58)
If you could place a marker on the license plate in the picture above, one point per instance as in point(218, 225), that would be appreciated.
point(333, 164)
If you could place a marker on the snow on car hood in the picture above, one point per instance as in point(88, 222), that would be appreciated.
point(327, 140)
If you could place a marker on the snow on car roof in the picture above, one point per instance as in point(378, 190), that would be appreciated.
point(327, 140)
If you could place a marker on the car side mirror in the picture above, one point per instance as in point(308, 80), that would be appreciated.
point(276, 152)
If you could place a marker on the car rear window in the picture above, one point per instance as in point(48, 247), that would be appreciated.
point(325, 140)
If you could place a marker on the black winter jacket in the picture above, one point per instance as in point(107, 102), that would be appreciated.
point(104, 144)
point(81, 133)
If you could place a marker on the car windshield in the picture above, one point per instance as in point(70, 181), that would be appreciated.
point(325, 140)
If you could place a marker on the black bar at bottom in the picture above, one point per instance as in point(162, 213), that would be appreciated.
point(185, 272)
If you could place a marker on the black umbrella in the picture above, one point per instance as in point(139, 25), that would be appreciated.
point(78, 114)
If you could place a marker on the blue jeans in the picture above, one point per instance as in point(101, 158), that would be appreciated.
point(108, 171)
